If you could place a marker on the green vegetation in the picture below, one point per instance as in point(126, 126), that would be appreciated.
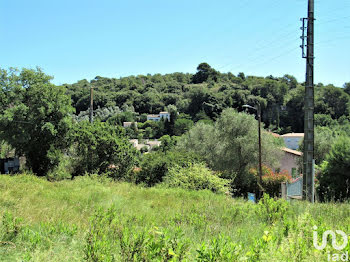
point(47, 125)
point(204, 95)
point(195, 177)
point(230, 146)
point(155, 166)
point(334, 178)
point(95, 219)
point(34, 118)
point(100, 148)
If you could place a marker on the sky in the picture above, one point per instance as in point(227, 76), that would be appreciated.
point(81, 39)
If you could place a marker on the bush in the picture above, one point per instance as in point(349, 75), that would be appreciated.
point(335, 175)
point(156, 165)
point(272, 210)
point(111, 237)
point(272, 180)
point(195, 177)
point(62, 171)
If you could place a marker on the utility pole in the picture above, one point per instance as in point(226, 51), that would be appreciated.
point(260, 162)
point(308, 179)
point(91, 117)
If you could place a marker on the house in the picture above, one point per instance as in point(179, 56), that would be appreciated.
point(149, 144)
point(129, 124)
point(153, 143)
point(134, 142)
point(9, 165)
point(164, 115)
point(290, 161)
point(292, 140)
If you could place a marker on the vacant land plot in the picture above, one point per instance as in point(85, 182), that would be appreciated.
point(101, 220)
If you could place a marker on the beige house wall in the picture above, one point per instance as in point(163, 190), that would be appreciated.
point(289, 161)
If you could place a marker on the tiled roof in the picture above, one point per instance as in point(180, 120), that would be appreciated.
point(294, 152)
point(293, 135)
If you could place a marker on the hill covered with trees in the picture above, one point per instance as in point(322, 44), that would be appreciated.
point(204, 95)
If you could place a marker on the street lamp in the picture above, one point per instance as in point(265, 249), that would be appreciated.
point(258, 111)
point(91, 116)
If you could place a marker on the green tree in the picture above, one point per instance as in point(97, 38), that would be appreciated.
point(324, 139)
point(333, 101)
point(167, 143)
point(35, 119)
point(100, 148)
point(204, 72)
point(182, 126)
point(335, 176)
point(231, 146)
point(347, 88)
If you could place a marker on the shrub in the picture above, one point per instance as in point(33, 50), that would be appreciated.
point(272, 180)
point(219, 249)
point(272, 210)
point(62, 171)
point(10, 227)
point(335, 176)
point(155, 166)
point(195, 177)
point(111, 237)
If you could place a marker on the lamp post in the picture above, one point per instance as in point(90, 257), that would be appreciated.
point(258, 111)
point(91, 116)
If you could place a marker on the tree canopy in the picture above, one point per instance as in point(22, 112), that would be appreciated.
point(231, 146)
point(35, 117)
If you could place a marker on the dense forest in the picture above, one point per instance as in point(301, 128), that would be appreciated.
point(204, 95)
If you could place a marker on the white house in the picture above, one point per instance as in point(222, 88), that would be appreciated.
point(150, 144)
point(129, 124)
point(161, 115)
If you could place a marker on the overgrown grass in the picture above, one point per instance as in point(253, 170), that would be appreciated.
point(100, 220)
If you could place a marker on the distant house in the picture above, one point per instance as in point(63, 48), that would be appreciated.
point(292, 140)
point(153, 143)
point(161, 115)
point(290, 160)
point(134, 142)
point(129, 124)
point(149, 144)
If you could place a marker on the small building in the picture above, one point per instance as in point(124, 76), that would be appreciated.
point(153, 143)
point(292, 140)
point(134, 142)
point(158, 117)
point(149, 144)
point(129, 124)
point(290, 160)
point(9, 165)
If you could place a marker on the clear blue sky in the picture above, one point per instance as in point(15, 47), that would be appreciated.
point(78, 39)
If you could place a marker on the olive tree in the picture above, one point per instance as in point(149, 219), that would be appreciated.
point(231, 146)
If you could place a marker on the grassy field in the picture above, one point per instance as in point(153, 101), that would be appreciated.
point(100, 220)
